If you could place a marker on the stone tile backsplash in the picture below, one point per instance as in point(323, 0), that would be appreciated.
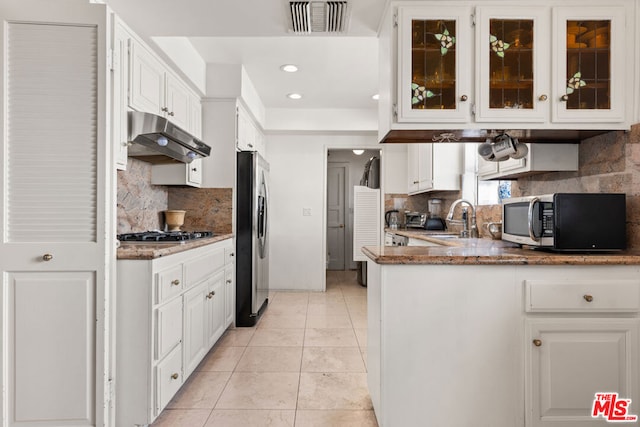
point(141, 205)
point(608, 163)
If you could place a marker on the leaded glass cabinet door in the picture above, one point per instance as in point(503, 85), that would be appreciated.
point(512, 50)
point(590, 64)
point(434, 64)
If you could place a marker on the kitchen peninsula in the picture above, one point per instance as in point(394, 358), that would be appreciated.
point(479, 332)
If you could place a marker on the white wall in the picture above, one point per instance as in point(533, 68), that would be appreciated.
point(297, 180)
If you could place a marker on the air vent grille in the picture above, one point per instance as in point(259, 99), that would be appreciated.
point(318, 16)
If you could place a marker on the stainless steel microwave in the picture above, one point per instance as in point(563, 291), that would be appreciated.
point(566, 221)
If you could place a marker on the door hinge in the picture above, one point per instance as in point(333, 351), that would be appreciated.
point(395, 20)
point(110, 59)
point(395, 111)
point(473, 19)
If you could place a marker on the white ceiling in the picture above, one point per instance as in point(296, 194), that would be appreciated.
point(335, 71)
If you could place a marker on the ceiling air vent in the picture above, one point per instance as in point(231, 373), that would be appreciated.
point(318, 16)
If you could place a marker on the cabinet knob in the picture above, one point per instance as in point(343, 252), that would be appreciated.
point(415, 182)
point(165, 109)
point(537, 343)
point(47, 257)
point(195, 169)
point(543, 97)
point(231, 254)
point(250, 145)
point(175, 376)
point(588, 298)
point(210, 294)
point(228, 281)
point(564, 98)
point(171, 113)
point(463, 98)
point(175, 282)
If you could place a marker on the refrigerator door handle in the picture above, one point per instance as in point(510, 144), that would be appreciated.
point(263, 216)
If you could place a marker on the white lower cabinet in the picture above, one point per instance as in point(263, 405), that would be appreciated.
point(195, 343)
point(501, 345)
point(170, 312)
point(581, 338)
point(216, 307)
point(570, 360)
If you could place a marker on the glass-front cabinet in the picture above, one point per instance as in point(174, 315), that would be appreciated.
point(435, 71)
point(591, 64)
point(512, 53)
point(540, 65)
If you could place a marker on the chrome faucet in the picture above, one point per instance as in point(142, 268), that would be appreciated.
point(468, 230)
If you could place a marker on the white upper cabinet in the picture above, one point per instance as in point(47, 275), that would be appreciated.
point(469, 67)
point(592, 67)
point(513, 57)
point(434, 64)
point(155, 89)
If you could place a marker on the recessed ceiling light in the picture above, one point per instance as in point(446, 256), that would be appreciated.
point(375, 97)
point(289, 68)
point(294, 96)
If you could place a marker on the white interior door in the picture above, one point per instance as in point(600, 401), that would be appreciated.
point(336, 175)
point(53, 214)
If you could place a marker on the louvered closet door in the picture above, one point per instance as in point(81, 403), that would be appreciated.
point(52, 249)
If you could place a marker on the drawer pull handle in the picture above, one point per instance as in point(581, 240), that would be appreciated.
point(588, 298)
point(537, 343)
point(175, 376)
point(47, 257)
point(210, 294)
point(175, 282)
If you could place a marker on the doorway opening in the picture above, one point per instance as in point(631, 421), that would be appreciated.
point(345, 169)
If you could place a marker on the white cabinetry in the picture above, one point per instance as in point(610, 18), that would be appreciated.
point(434, 167)
point(154, 89)
point(582, 338)
point(542, 340)
point(541, 158)
point(248, 136)
point(170, 312)
point(178, 174)
point(57, 245)
point(473, 67)
point(120, 89)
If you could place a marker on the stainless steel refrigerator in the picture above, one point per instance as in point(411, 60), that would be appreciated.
point(252, 238)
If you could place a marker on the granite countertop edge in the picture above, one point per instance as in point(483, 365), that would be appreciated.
point(147, 251)
point(484, 251)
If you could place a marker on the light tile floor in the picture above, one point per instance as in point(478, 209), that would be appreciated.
point(304, 365)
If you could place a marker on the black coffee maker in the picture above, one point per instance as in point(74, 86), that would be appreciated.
point(434, 221)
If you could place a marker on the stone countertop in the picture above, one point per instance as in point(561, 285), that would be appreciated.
point(146, 251)
point(488, 252)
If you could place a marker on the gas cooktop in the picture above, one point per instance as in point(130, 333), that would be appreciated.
point(162, 236)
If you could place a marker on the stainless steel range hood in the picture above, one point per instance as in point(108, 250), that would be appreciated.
point(155, 138)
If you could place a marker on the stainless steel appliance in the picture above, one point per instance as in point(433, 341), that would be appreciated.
point(415, 219)
point(156, 140)
point(252, 238)
point(566, 221)
point(163, 237)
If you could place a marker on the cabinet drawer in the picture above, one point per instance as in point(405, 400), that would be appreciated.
point(168, 378)
point(168, 283)
point(168, 327)
point(582, 296)
point(201, 268)
point(229, 255)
